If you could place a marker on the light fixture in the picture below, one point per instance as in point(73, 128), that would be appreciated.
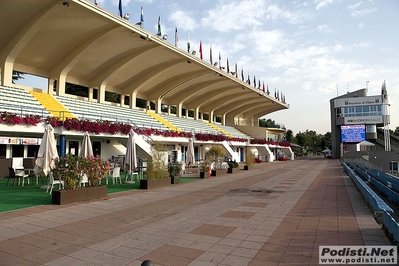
point(66, 4)
point(188, 61)
point(165, 37)
point(193, 52)
point(126, 16)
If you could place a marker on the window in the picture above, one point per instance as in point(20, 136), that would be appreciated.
point(32, 150)
point(17, 151)
point(3, 149)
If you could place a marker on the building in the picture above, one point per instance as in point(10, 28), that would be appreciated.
point(355, 117)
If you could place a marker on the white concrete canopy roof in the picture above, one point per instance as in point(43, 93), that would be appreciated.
point(77, 42)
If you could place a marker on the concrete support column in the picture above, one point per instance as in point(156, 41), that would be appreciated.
point(6, 73)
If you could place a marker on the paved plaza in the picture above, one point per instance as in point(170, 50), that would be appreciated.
point(279, 213)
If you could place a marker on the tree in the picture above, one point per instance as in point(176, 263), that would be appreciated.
point(16, 75)
point(268, 123)
point(289, 135)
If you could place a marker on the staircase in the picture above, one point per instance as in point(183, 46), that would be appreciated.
point(163, 121)
point(219, 129)
point(52, 105)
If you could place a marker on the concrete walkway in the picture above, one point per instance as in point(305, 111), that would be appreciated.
point(277, 214)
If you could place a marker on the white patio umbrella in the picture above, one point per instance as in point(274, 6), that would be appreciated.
point(47, 152)
point(130, 156)
point(190, 160)
point(86, 149)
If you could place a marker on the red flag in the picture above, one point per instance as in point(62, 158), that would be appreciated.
point(176, 37)
point(264, 91)
point(200, 50)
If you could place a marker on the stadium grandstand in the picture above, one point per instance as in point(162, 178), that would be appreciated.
point(163, 92)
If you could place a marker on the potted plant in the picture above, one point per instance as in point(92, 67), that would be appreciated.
point(70, 169)
point(174, 172)
point(249, 160)
point(204, 168)
point(233, 167)
point(157, 168)
point(216, 154)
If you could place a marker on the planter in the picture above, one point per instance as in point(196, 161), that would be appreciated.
point(154, 183)
point(233, 170)
point(61, 197)
point(175, 179)
point(248, 167)
point(203, 174)
point(218, 172)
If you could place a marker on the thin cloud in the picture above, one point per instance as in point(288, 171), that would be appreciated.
point(363, 13)
point(235, 16)
point(183, 20)
point(354, 6)
point(323, 3)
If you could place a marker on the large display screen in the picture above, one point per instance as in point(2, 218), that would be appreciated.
point(353, 133)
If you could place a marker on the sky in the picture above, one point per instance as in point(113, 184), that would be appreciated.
point(311, 51)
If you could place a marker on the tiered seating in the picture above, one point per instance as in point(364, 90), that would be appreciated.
point(190, 125)
point(94, 111)
point(233, 131)
point(20, 101)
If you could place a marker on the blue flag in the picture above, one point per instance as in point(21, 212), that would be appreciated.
point(120, 8)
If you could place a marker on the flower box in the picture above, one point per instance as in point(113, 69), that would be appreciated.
point(248, 167)
point(233, 170)
point(61, 197)
point(154, 183)
point(175, 179)
point(218, 172)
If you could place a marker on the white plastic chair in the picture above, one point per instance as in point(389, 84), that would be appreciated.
point(53, 182)
point(114, 174)
point(183, 169)
point(84, 180)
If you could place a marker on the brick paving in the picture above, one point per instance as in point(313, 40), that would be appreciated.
point(277, 214)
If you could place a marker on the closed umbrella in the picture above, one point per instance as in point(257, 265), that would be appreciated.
point(47, 152)
point(130, 156)
point(190, 160)
point(86, 150)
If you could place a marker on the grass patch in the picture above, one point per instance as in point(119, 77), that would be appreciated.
point(18, 197)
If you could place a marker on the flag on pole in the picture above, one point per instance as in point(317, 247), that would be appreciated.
point(120, 8)
point(220, 58)
point(384, 92)
point(267, 90)
point(176, 37)
point(236, 71)
point(254, 82)
point(228, 68)
point(264, 91)
point(242, 74)
point(200, 50)
point(96, 2)
point(210, 55)
point(159, 33)
point(188, 42)
point(249, 79)
point(258, 84)
point(141, 18)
